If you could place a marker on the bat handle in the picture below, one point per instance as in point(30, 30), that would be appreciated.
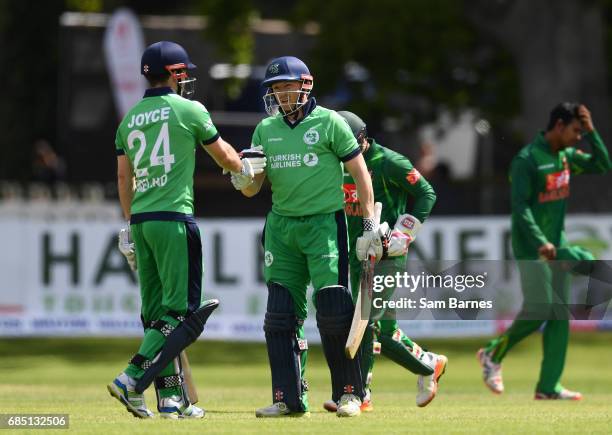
point(377, 212)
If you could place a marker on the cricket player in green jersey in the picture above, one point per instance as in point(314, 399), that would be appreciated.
point(155, 145)
point(540, 177)
point(393, 180)
point(305, 236)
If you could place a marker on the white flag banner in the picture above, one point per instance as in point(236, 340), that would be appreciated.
point(123, 47)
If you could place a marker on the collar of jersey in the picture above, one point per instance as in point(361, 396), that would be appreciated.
point(307, 108)
point(371, 149)
point(542, 143)
point(158, 92)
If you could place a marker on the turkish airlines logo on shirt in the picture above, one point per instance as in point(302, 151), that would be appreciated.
point(413, 176)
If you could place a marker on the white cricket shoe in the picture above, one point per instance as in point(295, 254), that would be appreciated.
point(349, 406)
point(366, 404)
point(563, 394)
point(173, 407)
point(279, 409)
point(491, 372)
point(122, 389)
point(428, 385)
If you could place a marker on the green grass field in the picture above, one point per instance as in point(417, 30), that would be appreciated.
point(70, 376)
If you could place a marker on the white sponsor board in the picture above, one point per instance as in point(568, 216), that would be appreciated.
point(67, 277)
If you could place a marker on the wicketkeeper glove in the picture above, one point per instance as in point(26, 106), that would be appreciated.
point(253, 163)
point(126, 246)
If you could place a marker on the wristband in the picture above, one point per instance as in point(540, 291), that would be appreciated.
point(368, 224)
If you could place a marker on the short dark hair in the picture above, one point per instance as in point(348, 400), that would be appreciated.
point(566, 112)
point(156, 79)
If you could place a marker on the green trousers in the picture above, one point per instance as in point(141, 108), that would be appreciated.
point(169, 260)
point(546, 294)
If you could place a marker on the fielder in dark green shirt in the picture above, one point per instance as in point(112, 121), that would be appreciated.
point(540, 178)
point(394, 178)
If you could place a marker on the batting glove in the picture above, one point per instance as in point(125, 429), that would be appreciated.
point(126, 246)
point(370, 242)
point(395, 243)
point(408, 225)
point(253, 163)
point(256, 158)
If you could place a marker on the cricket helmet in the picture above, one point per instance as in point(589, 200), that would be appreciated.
point(283, 69)
point(358, 127)
point(167, 57)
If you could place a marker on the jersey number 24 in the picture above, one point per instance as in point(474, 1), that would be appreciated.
point(155, 159)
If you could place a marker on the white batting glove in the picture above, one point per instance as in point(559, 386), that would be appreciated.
point(256, 158)
point(408, 225)
point(253, 163)
point(126, 246)
point(370, 242)
point(244, 178)
point(395, 243)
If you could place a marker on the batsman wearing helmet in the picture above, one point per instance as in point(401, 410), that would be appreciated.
point(155, 145)
point(540, 179)
point(305, 238)
point(393, 179)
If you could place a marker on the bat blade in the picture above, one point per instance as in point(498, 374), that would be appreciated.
point(192, 392)
point(363, 306)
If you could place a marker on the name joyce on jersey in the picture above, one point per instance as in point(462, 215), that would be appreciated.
point(140, 119)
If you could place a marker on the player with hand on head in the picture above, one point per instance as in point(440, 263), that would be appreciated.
point(305, 236)
point(155, 144)
point(540, 175)
point(394, 179)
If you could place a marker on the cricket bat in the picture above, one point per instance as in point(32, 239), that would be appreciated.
point(363, 305)
point(192, 392)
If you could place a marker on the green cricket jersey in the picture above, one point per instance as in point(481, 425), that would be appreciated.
point(304, 160)
point(540, 182)
point(393, 179)
point(160, 135)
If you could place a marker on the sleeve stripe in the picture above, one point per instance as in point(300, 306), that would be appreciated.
point(120, 151)
point(211, 140)
point(351, 155)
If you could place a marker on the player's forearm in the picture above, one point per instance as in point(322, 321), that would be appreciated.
point(358, 170)
point(229, 161)
point(424, 202)
point(254, 188)
point(125, 186)
point(600, 158)
point(526, 222)
point(224, 155)
point(365, 194)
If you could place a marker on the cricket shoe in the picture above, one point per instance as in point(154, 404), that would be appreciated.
point(428, 385)
point(366, 404)
point(491, 372)
point(349, 406)
point(279, 409)
point(173, 407)
point(563, 394)
point(122, 389)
